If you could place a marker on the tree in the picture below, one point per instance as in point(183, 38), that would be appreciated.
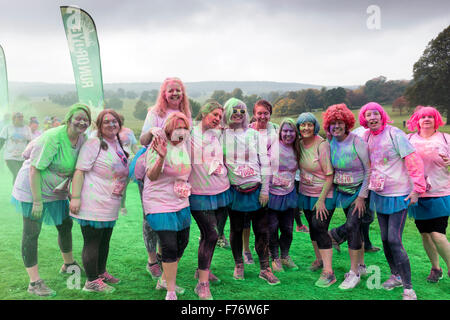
point(335, 96)
point(131, 95)
point(114, 103)
point(312, 100)
point(195, 107)
point(400, 104)
point(140, 110)
point(356, 98)
point(431, 76)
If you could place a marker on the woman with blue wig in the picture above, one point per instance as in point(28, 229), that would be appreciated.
point(316, 193)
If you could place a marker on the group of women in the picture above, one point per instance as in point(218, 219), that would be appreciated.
point(219, 166)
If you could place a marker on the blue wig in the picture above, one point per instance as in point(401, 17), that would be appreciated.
point(308, 117)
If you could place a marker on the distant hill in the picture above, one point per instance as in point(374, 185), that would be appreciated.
point(195, 89)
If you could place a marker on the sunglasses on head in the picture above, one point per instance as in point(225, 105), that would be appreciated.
point(237, 110)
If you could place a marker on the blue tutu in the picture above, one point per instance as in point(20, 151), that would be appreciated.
point(245, 202)
point(387, 205)
point(307, 202)
point(282, 203)
point(95, 224)
point(344, 200)
point(431, 208)
point(53, 213)
point(170, 221)
point(214, 202)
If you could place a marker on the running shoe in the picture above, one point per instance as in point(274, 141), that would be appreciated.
point(239, 272)
point(372, 249)
point(65, 268)
point(108, 278)
point(362, 270)
point(97, 286)
point(289, 263)
point(154, 269)
point(39, 288)
point(334, 243)
point(222, 242)
point(393, 282)
point(211, 278)
point(435, 275)
point(316, 265)
point(409, 294)
point(203, 292)
point(162, 284)
point(277, 266)
point(302, 228)
point(171, 295)
point(269, 277)
point(326, 279)
point(248, 259)
point(351, 280)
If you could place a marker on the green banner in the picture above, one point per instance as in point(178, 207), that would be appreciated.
point(85, 54)
point(4, 100)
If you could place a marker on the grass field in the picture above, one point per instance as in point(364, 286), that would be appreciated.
point(127, 260)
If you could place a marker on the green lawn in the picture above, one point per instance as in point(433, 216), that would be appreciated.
point(127, 261)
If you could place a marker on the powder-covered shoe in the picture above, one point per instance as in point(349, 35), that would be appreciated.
point(393, 282)
point(289, 263)
point(267, 275)
point(162, 284)
point(435, 275)
point(202, 290)
point(248, 258)
point(154, 270)
point(277, 266)
point(326, 279)
point(108, 278)
point(351, 281)
point(409, 294)
point(39, 288)
point(97, 286)
point(239, 272)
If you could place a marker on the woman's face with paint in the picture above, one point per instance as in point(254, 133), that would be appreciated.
point(307, 129)
point(373, 118)
point(238, 115)
point(173, 94)
point(337, 129)
point(287, 134)
point(18, 120)
point(426, 122)
point(262, 116)
point(180, 132)
point(212, 119)
point(110, 126)
point(79, 122)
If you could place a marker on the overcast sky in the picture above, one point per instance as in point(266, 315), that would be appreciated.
point(316, 42)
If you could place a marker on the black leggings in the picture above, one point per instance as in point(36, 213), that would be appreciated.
point(260, 225)
point(95, 250)
point(207, 222)
point(283, 221)
point(318, 230)
point(173, 244)
point(14, 166)
point(30, 235)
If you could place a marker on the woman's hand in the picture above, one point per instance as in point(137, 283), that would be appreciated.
point(414, 197)
point(74, 206)
point(263, 199)
point(160, 146)
point(321, 210)
point(36, 211)
point(158, 133)
point(445, 158)
point(360, 206)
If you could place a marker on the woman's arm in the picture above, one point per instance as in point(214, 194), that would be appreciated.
point(35, 186)
point(160, 146)
point(77, 185)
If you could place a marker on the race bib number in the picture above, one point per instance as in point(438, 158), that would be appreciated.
point(182, 189)
point(244, 171)
point(306, 178)
point(283, 179)
point(377, 181)
point(118, 188)
point(342, 178)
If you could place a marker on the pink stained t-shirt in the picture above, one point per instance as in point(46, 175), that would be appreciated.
point(315, 165)
point(154, 120)
point(159, 196)
point(105, 176)
point(283, 162)
point(206, 157)
point(434, 167)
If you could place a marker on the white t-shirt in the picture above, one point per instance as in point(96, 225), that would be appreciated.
point(16, 140)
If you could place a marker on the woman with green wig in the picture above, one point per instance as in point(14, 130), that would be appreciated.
point(248, 166)
point(41, 191)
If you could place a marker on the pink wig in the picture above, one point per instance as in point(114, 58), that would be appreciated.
point(373, 106)
point(161, 103)
point(421, 111)
point(338, 112)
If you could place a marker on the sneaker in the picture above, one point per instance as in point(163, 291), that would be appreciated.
point(277, 266)
point(269, 277)
point(288, 263)
point(435, 275)
point(108, 278)
point(171, 295)
point(203, 292)
point(351, 280)
point(39, 288)
point(222, 242)
point(326, 279)
point(248, 259)
point(362, 270)
point(302, 228)
point(154, 269)
point(211, 277)
point(97, 286)
point(393, 282)
point(316, 265)
point(334, 243)
point(409, 294)
point(65, 267)
point(372, 249)
point(239, 272)
point(162, 284)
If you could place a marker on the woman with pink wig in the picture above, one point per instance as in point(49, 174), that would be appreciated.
point(396, 181)
point(350, 160)
point(431, 214)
